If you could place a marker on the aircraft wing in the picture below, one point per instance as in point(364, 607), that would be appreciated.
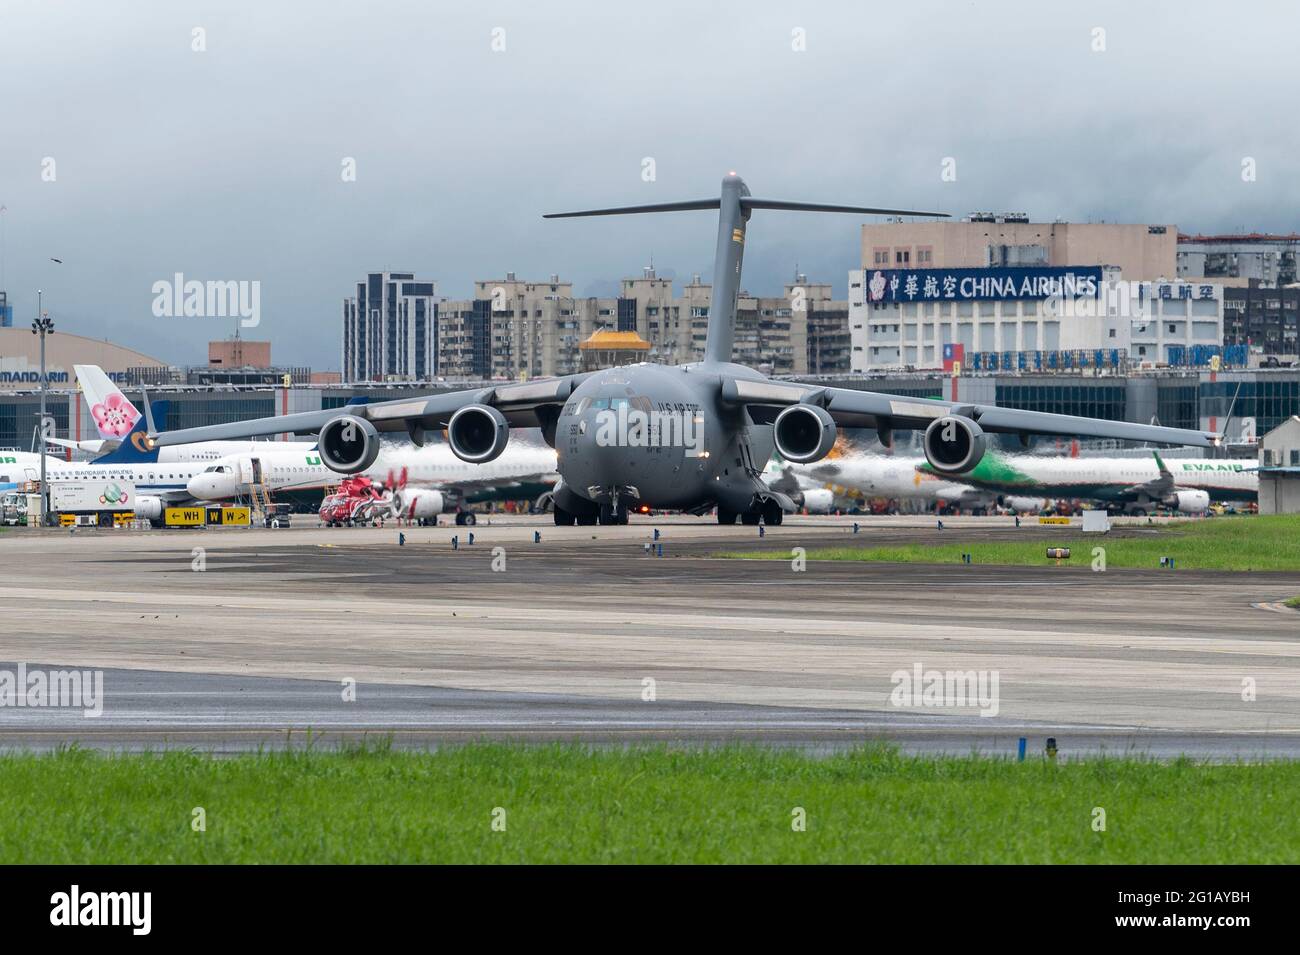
point(526, 404)
point(96, 446)
point(885, 412)
point(1158, 487)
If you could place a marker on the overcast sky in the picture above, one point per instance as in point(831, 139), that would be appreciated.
point(226, 164)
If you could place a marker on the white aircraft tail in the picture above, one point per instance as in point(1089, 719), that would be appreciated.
point(114, 414)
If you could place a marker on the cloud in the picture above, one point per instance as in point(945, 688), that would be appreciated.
point(225, 164)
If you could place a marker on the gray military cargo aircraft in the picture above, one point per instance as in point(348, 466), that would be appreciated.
point(689, 437)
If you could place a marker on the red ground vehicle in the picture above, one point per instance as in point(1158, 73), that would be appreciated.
point(359, 500)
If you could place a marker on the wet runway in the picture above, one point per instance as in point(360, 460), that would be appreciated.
point(256, 637)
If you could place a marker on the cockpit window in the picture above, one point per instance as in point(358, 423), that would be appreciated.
point(639, 402)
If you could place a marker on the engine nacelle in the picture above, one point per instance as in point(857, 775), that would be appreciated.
point(803, 433)
point(148, 508)
point(417, 503)
point(1025, 505)
point(477, 433)
point(954, 443)
point(1190, 502)
point(818, 500)
point(348, 444)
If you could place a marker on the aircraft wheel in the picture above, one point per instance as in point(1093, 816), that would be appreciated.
point(470, 519)
point(613, 516)
point(750, 518)
point(563, 518)
point(726, 515)
point(773, 515)
point(587, 520)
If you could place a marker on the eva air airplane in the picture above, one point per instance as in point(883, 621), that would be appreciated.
point(1135, 484)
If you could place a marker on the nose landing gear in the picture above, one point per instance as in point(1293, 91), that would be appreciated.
point(611, 514)
point(605, 514)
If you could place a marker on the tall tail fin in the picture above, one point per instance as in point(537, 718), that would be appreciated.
point(1160, 465)
point(734, 206)
point(134, 449)
point(115, 416)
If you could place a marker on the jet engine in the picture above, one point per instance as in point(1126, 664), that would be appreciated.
point(477, 433)
point(818, 500)
point(1189, 502)
point(148, 508)
point(348, 444)
point(954, 443)
point(803, 433)
point(417, 503)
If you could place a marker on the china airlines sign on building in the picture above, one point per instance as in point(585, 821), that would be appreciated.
point(969, 285)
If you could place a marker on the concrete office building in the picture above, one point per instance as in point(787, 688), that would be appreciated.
point(1010, 240)
point(1262, 317)
point(518, 329)
point(239, 353)
point(647, 306)
point(819, 330)
point(1027, 319)
point(389, 329)
point(514, 328)
point(1238, 259)
point(1004, 293)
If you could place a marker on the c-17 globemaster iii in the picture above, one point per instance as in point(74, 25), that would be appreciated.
point(688, 437)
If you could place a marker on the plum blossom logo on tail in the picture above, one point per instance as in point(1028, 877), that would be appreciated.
point(115, 417)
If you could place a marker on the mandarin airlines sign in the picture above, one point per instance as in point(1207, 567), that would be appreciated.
point(969, 285)
point(57, 376)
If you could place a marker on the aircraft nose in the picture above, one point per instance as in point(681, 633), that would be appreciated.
point(204, 487)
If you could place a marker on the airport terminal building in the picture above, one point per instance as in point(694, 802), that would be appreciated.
point(1001, 293)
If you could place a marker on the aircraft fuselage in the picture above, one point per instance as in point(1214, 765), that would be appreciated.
point(660, 435)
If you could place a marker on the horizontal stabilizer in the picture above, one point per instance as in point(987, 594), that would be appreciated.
point(684, 206)
point(746, 203)
point(749, 202)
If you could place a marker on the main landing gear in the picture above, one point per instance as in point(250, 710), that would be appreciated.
point(605, 515)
